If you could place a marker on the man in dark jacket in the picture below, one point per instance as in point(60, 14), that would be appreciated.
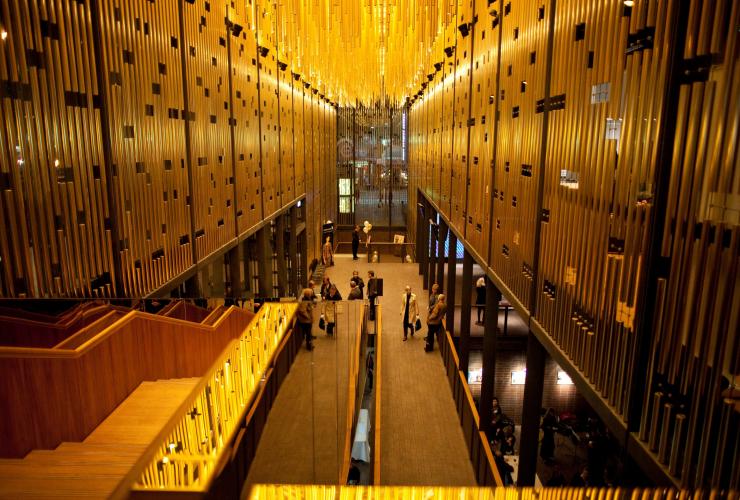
point(355, 242)
point(372, 292)
point(354, 291)
point(360, 284)
point(304, 316)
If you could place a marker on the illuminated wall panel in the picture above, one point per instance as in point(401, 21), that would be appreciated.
point(269, 124)
point(461, 113)
point(518, 157)
point(207, 78)
point(143, 79)
point(287, 166)
point(246, 124)
point(54, 211)
point(590, 164)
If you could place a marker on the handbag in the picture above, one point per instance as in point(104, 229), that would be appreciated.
point(417, 326)
point(322, 323)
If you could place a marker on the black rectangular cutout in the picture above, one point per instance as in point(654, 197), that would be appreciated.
point(580, 31)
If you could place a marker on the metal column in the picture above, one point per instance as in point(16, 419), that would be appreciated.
point(432, 270)
point(493, 296)
point(531, 410)
point(451, 281)
point(465, 310)
point(293, 249)
point(441, 240)
point(264, 261)
point(422, 240)
point(235, 271)
point(282, 267)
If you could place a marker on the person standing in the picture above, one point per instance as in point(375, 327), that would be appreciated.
point(330, 309)
point(433, 297)
point(305, 316)
point(325, 286)
point(355, 242)
point(327, 254)
point(409, 311)
point(372, 292)
point(480, 299)
point(549, 426)
point(360, 283)
point(354, 291)
point(434, 320)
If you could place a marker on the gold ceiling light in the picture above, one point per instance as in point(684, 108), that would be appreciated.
point(357, 51)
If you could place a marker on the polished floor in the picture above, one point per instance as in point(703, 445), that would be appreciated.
point(303, 439)
point(421, 439)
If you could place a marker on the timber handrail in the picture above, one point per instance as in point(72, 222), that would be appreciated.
point(81, 386)
point(81, 336)
point(245, 385)
point(56, 352)
point(20, 331)
point(471, 406)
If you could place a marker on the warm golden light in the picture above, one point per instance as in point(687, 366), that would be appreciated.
point(4, 35)
point(197, 438)
point(358, 51)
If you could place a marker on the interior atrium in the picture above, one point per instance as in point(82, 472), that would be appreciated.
point(387, 249)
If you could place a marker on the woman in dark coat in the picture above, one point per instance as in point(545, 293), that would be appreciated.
point(549, 426)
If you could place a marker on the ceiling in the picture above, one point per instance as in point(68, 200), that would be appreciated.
point(356, 51)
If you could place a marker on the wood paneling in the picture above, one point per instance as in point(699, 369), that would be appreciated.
point(482, 129)
point(518, 156)
point(461, 113)
point(287, 162)
point(603, 189)
point(52, 174)
point(81, 387)
point(106, 190)
point(270, 134)
point(143, 80)
point(207, 80)
point(245, 102)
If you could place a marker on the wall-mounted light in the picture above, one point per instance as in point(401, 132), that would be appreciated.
point(518, 377)
point(4, 35)
point(564, 379)
point(475, 376)
point(629, 3)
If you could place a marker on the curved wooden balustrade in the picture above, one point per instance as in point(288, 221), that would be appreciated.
point(26, 329)
point(186, 311)
point(192, 450)
point(52, 395)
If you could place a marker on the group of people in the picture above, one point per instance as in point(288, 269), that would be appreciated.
point(411, 317)
point(329, 297)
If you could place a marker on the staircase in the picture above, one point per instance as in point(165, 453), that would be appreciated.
point(318, 274)
point(94, 467)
